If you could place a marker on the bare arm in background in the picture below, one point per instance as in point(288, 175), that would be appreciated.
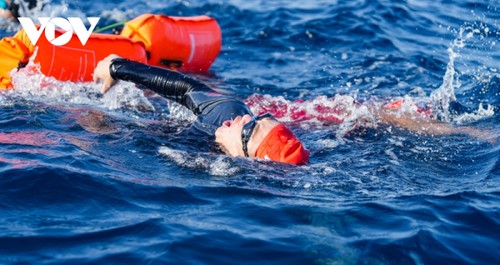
point(423, 125)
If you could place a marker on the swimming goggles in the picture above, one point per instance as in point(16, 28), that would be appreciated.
point(248, 128)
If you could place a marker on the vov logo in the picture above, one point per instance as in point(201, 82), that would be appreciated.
point(70, 25)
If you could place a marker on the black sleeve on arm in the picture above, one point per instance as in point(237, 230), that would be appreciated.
point(170, 84)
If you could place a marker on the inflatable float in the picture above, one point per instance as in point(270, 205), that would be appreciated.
point(180, 43)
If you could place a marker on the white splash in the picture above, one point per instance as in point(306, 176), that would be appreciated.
point(180, 112)
point(43, 8)
point(215, 165)
point(480, 113)
point(441, 97)
point(30, 84)
point(340, 109)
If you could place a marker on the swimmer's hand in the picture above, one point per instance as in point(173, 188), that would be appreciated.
point(101, 72)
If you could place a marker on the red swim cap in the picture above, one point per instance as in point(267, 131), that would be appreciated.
point(282, 146)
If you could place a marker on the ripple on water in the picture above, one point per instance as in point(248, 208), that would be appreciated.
point(87, 178)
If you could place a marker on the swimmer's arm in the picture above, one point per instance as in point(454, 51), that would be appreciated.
point(414, 123)
point(170, 84)
point(422, 125)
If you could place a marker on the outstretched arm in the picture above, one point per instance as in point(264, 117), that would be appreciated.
point(423, 125)
point(170, 84)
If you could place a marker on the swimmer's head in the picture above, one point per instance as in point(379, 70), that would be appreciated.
point(24, 8)
point(3, 5)
point(262, 137)
point(281, 145)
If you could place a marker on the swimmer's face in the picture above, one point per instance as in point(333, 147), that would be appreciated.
point(228, 136)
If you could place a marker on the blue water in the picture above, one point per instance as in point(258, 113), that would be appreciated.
point(136, 192)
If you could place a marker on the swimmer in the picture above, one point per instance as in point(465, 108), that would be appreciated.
point(12, 9)
point(227, 120)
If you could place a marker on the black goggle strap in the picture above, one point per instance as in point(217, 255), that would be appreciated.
point(247, 131)
point(244, 139)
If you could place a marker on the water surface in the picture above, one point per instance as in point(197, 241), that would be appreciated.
point(137, 192)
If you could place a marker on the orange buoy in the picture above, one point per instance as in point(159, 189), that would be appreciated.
point(69, 62)
point(75, 62)
point(182, 43)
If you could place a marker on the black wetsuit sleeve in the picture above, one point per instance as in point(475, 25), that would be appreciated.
point(212, 108)
point(170, 84)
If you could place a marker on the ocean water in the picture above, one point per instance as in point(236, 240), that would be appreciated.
point(92, 179)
